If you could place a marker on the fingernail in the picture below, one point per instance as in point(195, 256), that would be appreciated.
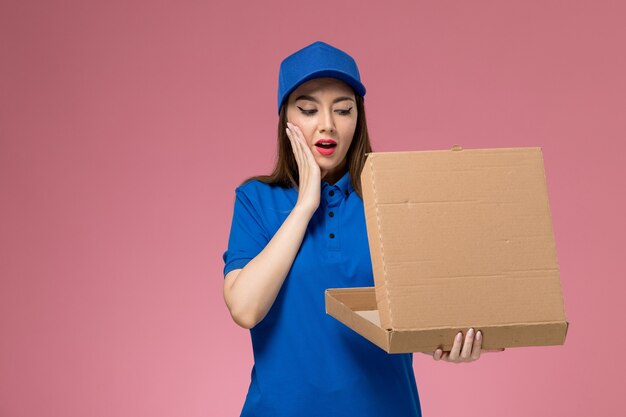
point(479, 335)
point(459, 335)
point(470, 332)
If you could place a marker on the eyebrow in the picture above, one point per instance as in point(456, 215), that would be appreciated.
point(311, 98)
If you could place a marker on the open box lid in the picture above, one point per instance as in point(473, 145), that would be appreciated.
point(461, 236)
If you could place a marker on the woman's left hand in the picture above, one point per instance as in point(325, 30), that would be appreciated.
point(468, 352)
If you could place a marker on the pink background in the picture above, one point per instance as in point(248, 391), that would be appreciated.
point(125, 127)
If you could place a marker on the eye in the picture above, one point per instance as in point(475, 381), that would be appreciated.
point(307, 112)
point(345, 112)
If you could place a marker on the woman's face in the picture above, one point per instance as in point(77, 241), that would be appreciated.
point(325, 108)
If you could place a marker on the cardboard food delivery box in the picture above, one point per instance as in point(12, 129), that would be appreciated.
point(459, 239)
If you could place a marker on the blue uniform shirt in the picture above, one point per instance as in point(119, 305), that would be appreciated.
point(306, 363)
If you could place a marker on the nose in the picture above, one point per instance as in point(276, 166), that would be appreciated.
point(326, 122)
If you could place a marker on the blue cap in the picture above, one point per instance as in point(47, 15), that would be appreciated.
point(318, 59)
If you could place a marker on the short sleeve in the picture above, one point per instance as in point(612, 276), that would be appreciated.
point(247, 237)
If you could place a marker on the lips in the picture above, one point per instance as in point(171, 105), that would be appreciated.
point(326, 143)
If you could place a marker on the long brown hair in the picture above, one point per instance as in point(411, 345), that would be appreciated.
point(285, 173)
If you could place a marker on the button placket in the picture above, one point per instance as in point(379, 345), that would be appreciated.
point(334, 197)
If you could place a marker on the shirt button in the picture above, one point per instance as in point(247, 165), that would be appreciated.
point(331, 214)
point(331, 193)
point(347, 192)
point(332, 235)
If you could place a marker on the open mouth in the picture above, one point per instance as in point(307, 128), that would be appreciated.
point(326, 145)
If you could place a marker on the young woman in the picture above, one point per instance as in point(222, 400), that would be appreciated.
point(302, 230)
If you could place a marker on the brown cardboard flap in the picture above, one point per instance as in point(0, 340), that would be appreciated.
point(461, 238)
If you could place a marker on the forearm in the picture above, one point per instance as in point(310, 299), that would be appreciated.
point(256, 286)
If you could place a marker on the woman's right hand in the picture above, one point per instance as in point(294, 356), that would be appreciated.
point(309, 188)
